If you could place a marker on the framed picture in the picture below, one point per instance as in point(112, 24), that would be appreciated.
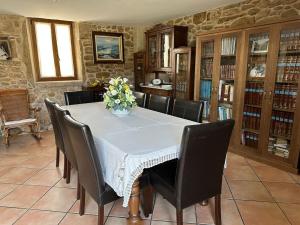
point(260, 45)
point(5, 52)
point(108, 47)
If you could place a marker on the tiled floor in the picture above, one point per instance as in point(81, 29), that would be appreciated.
point(32, 192)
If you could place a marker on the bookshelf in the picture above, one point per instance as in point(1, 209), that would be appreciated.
point(254, 78)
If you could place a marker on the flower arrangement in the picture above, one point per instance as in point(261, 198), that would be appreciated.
point(119, 97)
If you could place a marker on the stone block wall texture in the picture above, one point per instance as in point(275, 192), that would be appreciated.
point(100, 71)
point(249, 12)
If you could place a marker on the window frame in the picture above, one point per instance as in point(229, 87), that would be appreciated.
point(58, 76)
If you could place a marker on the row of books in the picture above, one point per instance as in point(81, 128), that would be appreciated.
point(205, 89)
point(227, 71)
point(251, 118)
point(285, 96)
point(208, 49)
point(228, 46)
point(279, 147)
point(288, 68)
point(181, 86)
point(206, 109)
point(226, 92)
point(282, 123)
point(224, 113)
point(254, 93)
point(250, 139)
point(290, 40)
point(207, 68)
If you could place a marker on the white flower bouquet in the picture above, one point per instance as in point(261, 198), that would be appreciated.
point(119, 97)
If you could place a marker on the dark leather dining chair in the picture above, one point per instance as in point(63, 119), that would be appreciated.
point(89, 166)
point(190, 110)
point(57, 134)
point(78, 97)
point(69, 152)
point(197, 174)
point(159, 103)
point(140, 98)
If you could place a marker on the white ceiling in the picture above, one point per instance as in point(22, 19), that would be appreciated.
point(109, 11)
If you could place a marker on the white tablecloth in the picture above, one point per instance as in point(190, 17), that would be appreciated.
point(129, 144)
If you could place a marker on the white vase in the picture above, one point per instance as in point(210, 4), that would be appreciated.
point(120, 113)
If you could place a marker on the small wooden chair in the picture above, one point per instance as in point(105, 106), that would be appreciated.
point(15, 112)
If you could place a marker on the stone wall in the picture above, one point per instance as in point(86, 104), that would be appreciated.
point(248, 12)
point(91, 70)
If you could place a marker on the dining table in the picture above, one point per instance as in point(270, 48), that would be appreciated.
point(129, 144)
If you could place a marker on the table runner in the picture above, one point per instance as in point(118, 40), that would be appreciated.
point(129, 144)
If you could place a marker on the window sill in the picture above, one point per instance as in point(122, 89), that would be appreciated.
point(62, 83)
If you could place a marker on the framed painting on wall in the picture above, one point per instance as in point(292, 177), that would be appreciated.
point(5, 52)
point(108, 47)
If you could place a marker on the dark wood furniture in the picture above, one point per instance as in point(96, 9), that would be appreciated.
point(190, 110)
point(159, 103)
point(197, 174)
point(16, 112)
point(183, 72)
point(89, 166)
point(139, 60)
point(79, 97)
point(157, 91)
point(256, 81)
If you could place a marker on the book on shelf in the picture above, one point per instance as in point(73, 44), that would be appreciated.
point(207, 68)
point(282, 123)
point(224, 113)
point(290, 41)
point(285, 96)
point(208, 49)
point(254, 93)
point(205, 89)
point(279, 147)
point(226, 92)
point(251, 118)
point(250, 139)
point(288, 68)
point(228, 46)
point(227, 72)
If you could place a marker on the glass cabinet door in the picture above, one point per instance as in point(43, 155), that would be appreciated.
point(165, 51)
point(206, 72)
point(254, 88)
point(152, 45)
point(285, 93)
point(181, 75)
point(227, 75)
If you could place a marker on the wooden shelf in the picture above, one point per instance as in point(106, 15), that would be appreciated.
point(264, 54)
point(255, 106)
point(205, 78)
point(251, 130)
point(286, 82)
point(284, 110)
point(281, 136)
point(231, 80)
point(207, 56)
point(256, 79)
point(289, 52)
point(228, 55)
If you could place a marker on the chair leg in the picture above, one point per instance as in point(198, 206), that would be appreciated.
point(69, 168)
point(6, 136)
point(65, 167)
point(82, 201)
point(100, 215)
point(57, 157)
point(147, 200)
point(218, 220)
point(179, 217)
point(78, 188)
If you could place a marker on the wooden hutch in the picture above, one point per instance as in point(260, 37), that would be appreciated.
point(252, 74)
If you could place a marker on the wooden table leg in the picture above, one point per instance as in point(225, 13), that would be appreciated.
point(134, 203)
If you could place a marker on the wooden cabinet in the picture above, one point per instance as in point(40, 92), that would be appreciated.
point(264, 73)
point(157, 91)
point(139, 59)
point(160, 42)
point(183, 72)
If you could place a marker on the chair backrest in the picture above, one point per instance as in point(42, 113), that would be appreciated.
point(201, 163)
point(159, 103)
point(79, 97)
point(56, 129)
point(190, 110)
point(88, 159)
point(140, 98)
point(15, 104)
point(60, 114)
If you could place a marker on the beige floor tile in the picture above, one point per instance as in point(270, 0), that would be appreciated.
point(57, 199)
point(168, 223)
point(292, 211)
point(76, 219)
point(37, 217)
point(73, 181)
point(261, 213)
point(121, 221)
point(9, 215)
point(284, 192)
point(234, 159)
point(226, 193)
point(296, 178)
point(236, 172)
point(45, 177)
point(249, 190)
point(271, 174)
point(24, 196)
point(6, 189)
point(17, 175)
point(37, 162)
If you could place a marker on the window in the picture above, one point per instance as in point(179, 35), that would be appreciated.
point(53, 45)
